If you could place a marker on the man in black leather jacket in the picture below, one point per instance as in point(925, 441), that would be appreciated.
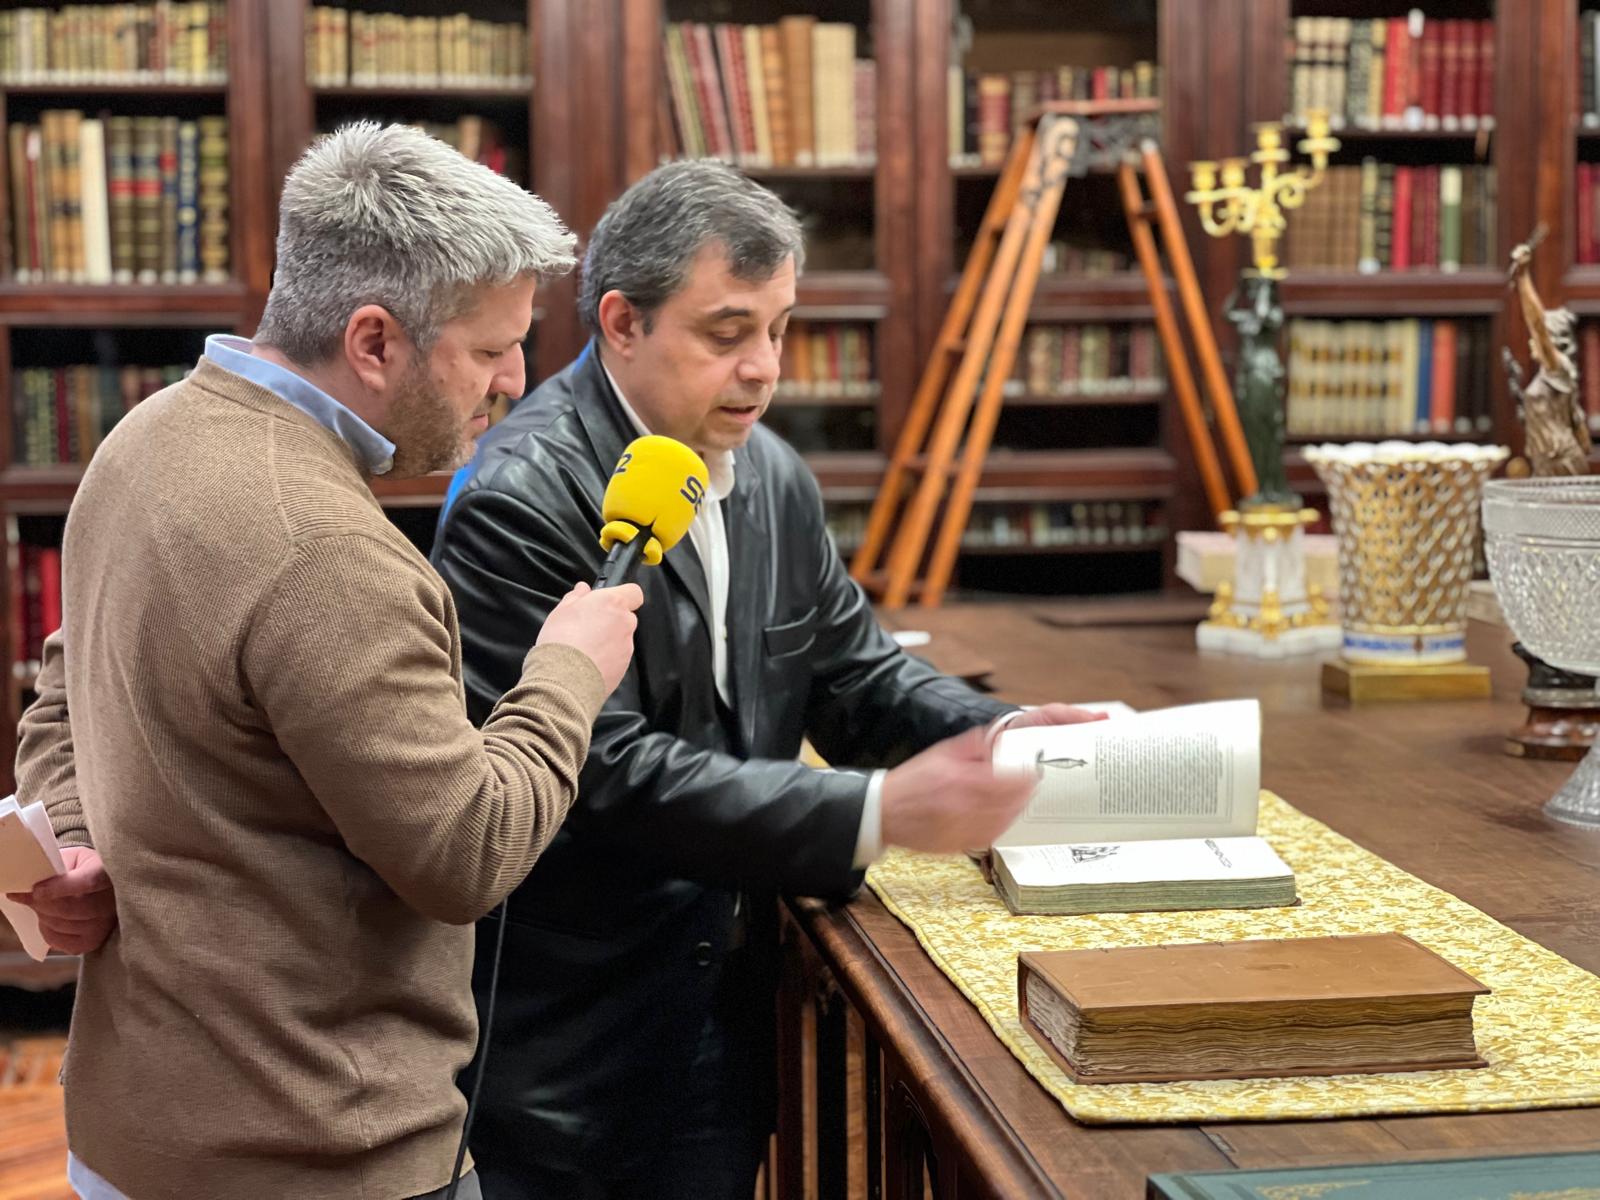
point(632, 1049)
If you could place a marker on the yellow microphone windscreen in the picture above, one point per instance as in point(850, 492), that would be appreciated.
point(658, 485)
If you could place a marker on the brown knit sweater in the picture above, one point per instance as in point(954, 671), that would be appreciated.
point(269, 748)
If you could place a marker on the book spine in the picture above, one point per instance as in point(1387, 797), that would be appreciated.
point(17, 163)
point(93, 202)
point(188, 218)
point(1450, 218)
point(1402, 208)
point(1430, 85)
point(756, 88)
point(773, 79)
point(214, 264)
point(1441, 406)
point(147, 197)
point(169, 199)
point(1450, 75)
point(120, 168)
point(1486, 68)
point(1367, 257)
point(795, 32)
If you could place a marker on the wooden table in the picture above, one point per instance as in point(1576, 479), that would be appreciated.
point(894, 1086)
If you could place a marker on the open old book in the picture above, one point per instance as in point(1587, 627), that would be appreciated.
point(1142, 811)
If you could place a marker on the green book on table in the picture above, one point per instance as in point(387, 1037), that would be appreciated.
point(1525, 1175)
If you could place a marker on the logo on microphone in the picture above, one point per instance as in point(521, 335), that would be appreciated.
point(693, 491)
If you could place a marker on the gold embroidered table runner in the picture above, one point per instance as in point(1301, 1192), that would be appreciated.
point(1539, 1030)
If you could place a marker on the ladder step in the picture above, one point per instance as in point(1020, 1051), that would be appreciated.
point(956, 346)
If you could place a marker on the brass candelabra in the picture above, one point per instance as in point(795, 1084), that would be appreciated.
point(1257, 212)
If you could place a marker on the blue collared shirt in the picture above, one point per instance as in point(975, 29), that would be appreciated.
point(373, 451)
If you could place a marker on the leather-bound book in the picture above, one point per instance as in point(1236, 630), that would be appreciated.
point(1234, 1010)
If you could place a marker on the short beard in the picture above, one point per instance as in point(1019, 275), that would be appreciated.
point(424, 428)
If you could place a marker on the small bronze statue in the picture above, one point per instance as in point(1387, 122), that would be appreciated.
point(1254, 310)
point(1556, 430)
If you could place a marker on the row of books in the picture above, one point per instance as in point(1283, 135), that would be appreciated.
point(481, 140)
point(1410, 72)
point(35, 604)
point(362, 49)
point(1384, 217)
point(789, 94)
point(1588, 50)
point(1587, 239)
point(1386, 378)
point(61, 414)
point(1092, 262)
point(1089, 360)
point(827, 361)
point(119, 199)
point(988, 108)
point(1589, 373)
point(1062, 524)
point(170, 41)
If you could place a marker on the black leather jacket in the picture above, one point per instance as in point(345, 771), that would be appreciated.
point(617, 936)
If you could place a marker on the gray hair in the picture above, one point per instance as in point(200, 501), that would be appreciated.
point(385, 214)
point(646, 240)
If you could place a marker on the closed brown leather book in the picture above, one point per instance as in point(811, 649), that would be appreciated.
point(1232, 1010)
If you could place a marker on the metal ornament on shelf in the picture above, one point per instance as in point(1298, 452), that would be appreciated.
point(1269, 610)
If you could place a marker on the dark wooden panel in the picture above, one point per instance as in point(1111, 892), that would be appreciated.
point(555, 160)
point(894, 223)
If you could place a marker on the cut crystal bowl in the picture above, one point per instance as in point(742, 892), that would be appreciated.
point(1542, 542)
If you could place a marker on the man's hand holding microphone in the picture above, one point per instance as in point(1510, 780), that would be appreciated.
point(649, 504)
point(598, 622)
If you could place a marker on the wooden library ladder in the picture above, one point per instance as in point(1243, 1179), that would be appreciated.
point(982, 329)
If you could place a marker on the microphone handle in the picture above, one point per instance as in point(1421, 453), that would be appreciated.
point(623, 562)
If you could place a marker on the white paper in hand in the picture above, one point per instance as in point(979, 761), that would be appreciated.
point(28, 854)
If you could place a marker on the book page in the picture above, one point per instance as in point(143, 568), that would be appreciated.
point(1162, 861)
point(1192, 771)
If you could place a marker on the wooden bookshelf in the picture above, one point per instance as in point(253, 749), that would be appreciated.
point(1475, 293)
point(37, 497)
point(537, 118)
point(857, 199)
point(1023, 38)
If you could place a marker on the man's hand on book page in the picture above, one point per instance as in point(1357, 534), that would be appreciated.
point(1053, 714)
point(950, 797)
point(77, 910)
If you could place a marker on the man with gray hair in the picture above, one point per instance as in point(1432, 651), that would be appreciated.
point(632, 1052)
point(254, 716)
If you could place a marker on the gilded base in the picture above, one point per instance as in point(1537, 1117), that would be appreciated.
point(1230, 638)
point(1361, 683)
